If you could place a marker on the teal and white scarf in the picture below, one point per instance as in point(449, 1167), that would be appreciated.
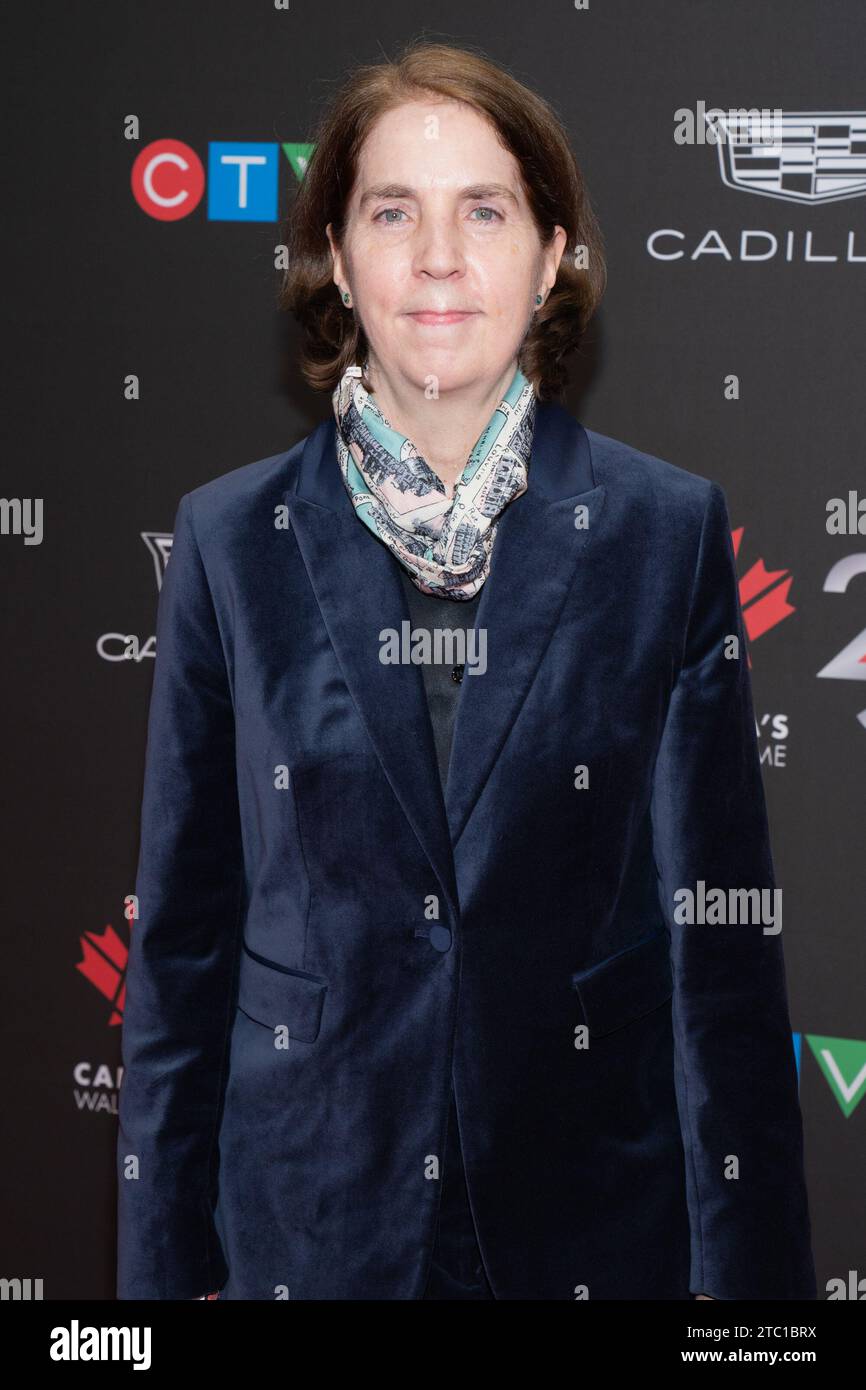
point(444, 542)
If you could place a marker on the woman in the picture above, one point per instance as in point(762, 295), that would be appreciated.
point(412, 1010)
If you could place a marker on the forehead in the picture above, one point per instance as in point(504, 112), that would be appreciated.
point(423, 143)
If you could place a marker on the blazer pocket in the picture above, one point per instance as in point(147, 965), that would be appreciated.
point(626, 986)
point(276, 996)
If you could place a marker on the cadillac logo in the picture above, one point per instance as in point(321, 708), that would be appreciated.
point(159, 545)
point(803, 156)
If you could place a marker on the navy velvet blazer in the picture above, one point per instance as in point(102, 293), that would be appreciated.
point(326, 943)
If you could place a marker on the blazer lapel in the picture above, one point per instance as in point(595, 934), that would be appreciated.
point(357, 586)
point(536, 551)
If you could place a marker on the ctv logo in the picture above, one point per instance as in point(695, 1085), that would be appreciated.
point(168, 179)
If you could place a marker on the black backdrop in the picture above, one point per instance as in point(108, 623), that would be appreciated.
point(97, 289)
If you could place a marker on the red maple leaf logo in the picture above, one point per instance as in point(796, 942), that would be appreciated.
point(103, 963)
point(763, 594)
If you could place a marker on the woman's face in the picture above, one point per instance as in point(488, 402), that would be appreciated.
point(438, 222)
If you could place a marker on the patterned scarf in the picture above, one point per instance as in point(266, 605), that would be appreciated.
point(444, 542)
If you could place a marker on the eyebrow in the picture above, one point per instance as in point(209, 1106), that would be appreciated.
point(401, 190)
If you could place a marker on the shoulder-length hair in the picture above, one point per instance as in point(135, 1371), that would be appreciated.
point(333, 339)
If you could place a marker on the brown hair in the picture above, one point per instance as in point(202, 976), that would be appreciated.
point(554, 186)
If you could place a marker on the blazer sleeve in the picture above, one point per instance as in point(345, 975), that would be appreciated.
point(734, 1067)
point(183, 950)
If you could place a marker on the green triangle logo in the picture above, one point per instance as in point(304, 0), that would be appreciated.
point(299, 157)
point(843, 1062)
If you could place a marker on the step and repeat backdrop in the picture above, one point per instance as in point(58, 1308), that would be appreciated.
point(152, 153)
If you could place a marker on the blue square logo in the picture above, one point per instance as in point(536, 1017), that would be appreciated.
point(242, 181)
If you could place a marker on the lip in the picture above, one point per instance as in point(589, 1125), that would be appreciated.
point(434, 318)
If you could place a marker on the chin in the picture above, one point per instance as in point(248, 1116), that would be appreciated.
point(452, 372)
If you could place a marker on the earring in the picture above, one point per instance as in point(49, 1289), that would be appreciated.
point(538, 299)
point(346, 297)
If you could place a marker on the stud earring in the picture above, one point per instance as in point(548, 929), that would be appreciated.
point(538, 299)
point(346, 297)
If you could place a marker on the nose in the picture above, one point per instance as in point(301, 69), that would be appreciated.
point(438, 250)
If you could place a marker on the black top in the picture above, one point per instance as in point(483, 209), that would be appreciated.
point(456, 1241)
point(442, 680)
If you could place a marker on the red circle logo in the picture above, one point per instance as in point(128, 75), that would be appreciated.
point(168, 180)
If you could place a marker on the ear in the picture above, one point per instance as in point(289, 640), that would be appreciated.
point(552, 255)
point(336, 258)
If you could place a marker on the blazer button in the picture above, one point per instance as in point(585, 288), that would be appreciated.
point(457, 674)
point(440, 937)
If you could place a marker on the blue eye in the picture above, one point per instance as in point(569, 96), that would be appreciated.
point(486, 209)
point(392, 222)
